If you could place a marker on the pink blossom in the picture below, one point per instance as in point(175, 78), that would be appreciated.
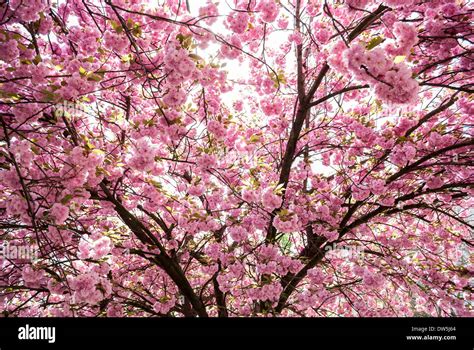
point(175, 97)
point(207, 161)
point(357, 4)
point(360, 194)
point(238, 233)
point(60, 213)
point(216, 128)
point(238, 22)
point(196, 190)
point(377, 186)
point(270, 200)
point(296, 37)
point(269, 10)
point(144, 153)
point(406, 38)
point(287, 225)
point(32, 277)
point(434, 182)
point(85, 288)
point(9, 50)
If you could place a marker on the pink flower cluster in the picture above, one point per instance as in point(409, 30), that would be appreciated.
point(288, 224)
point(250, 196)
point(143, 156)
point(406, 37)
point(163, 307)
point(399, 88)
point(399, 3)
point(96, 248)
point(238, 22)
point(22, 152)
point(196, 190)
point(218, 129)
point(209, 11)
point(27, 11)
point(371, 279)
point(331, 235)
point(59, 212)
point(392, 82)
point(178, 64)
point(39, 73)
point(238, 233)
point(321, 33)
point(175, 97)
point(402, 155)
point(116, 42)
point(85, 287)
point(32, 278)
point(207, 161)
point(360, 193)
point(296, 38)
point(18, 206)
point(84, 168)
point(76, 86)
point(58, 237)
point(274, 107)
point(357, 4)
point(316, 276)
point(86, 39)
point(377, 186)
point(270, 200)
point(231, 51)
point(9, 50)
point(270, 292)
point(434, 182)
point(269, 10)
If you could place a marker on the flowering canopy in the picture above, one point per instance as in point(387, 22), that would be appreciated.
point(253, 157)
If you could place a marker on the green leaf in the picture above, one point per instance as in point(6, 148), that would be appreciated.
point(136, 30)
point(278, 78)
point(254, 138)
point(185, 40)
point(88, 144)
point(101, 171)
point(94, 77)
point(13, 95)
point(25, 61)
point(66, 199)
point(37, 59)
point(285, 243)
point(89, 59)
point(195, 57)
point(126, 58)
point(279, 189)
point(116, 26)
point(22, 46)
point(50, 96)
point(399, 59)
point(149, 122)
point(35, 150)
point(156, 184)
point(130, 23)
point(374, 42)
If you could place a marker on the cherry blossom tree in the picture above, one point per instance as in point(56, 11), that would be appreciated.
point(241, 158)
